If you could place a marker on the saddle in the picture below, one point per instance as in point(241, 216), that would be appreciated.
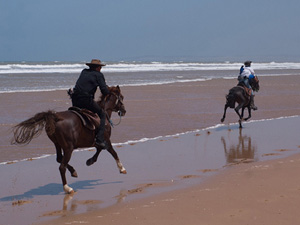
point(89, 119)
point(247, 90)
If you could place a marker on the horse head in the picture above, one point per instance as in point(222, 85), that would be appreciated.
point(255, 84)
point(114, 101)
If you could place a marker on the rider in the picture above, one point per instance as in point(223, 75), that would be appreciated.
point(84, 91)
point(246, 74)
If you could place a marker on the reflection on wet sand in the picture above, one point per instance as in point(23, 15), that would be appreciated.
point(70, 205)
point(241, 151)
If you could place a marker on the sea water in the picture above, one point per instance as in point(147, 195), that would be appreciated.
point(46, 76)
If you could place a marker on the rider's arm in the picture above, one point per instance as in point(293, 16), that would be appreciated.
point(102, 84)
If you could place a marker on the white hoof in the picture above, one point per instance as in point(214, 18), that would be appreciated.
point(123, 171)
point(68, 190)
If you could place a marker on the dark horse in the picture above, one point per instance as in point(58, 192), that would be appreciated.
point(67, 132)
point(238, 94)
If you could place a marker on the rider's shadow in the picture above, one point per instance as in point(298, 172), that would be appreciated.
point(56, 189)
point(242, 151)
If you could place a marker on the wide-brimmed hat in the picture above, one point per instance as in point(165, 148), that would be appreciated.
point(95, 62)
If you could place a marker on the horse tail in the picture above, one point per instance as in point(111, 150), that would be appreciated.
point(31, 128)
point(230, 98)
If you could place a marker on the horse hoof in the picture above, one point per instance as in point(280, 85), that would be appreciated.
point(240, 123)
point(74, 174)
point(123, 171)
point(89, 162)
point(222, 120)
point(68, 190)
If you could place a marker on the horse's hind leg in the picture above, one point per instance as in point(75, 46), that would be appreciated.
point(59, 158)
point(237, 110)
point(249, 113)
point(116, 157)
point(240, 115)
point(62, 169)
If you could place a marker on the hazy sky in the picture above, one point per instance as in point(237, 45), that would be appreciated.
point(165, 30)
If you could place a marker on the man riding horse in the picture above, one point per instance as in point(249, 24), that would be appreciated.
point(84, 91)
point(246, 74)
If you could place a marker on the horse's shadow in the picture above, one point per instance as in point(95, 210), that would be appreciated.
point(55, 189)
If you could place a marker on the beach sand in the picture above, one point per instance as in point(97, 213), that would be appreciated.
point(258, 193)
point(252, 193)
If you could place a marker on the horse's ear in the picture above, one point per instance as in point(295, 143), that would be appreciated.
point(118, 87)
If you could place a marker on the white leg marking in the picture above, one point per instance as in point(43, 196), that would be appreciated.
point(121, 167)
point(67, 189)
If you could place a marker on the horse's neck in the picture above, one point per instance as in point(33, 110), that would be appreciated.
point(108, 108)
point(108, 112)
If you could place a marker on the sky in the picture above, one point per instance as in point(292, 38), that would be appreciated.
point(149, 30)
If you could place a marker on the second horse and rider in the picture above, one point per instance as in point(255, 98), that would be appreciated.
point(242, 94)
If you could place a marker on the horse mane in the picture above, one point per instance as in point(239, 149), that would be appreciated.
point(255, 84)
point(112, 89)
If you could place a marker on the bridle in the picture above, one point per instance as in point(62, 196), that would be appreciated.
point(116, 108)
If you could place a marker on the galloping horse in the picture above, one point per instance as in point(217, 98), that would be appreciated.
point(67, 132)
point(238, 94)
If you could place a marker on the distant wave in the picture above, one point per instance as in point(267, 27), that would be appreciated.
point(55, 67)
point(142, 140)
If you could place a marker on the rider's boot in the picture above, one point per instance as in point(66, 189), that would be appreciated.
point(99, 142)
point(252, 103)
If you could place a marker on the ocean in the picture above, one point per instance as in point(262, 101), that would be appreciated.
point(49, 76)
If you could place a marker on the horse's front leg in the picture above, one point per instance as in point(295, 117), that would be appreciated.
point(224, 114)
point(249, 113)
point(237, 109)
point(242, 113)
point(116, 157)
point(92, 160)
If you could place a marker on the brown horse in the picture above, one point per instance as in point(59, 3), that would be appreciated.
point(65, 129)
point(238, 95)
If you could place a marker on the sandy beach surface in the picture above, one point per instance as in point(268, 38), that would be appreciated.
point(219, 175)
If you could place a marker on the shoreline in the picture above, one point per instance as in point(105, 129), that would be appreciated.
point(142, 140)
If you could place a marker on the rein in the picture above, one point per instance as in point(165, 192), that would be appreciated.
point(111, 122)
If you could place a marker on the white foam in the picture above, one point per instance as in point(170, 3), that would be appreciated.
point(14, 68)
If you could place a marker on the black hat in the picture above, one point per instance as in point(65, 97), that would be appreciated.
point(247, 63)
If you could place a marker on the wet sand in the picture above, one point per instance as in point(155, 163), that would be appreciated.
point(151, 110)
point(165, 166)
point(259, 193)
